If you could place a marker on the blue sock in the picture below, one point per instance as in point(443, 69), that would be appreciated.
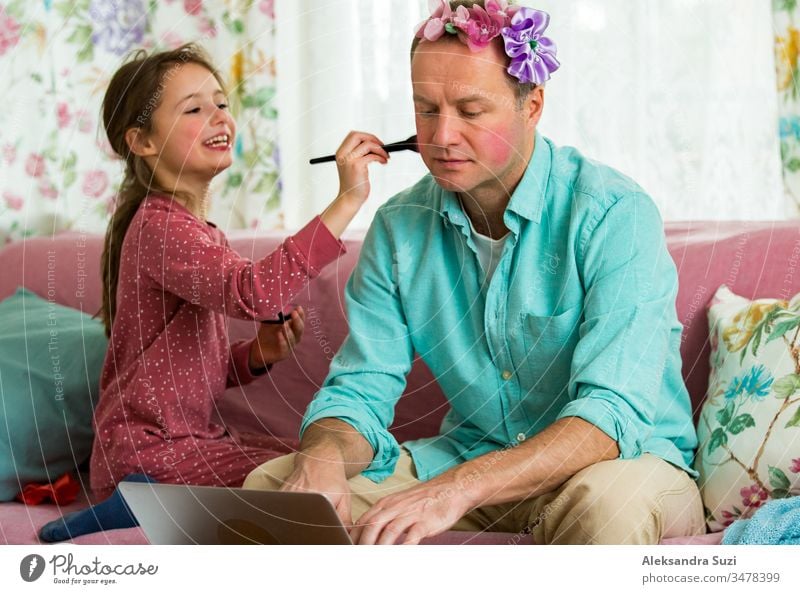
point(108, 515)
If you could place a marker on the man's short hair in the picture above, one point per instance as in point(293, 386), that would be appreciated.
point(521, 90)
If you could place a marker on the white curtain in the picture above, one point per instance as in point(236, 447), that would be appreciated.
point(342, 65)
point(678, 94)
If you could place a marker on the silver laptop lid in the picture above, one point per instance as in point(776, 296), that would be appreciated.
point(182, 514)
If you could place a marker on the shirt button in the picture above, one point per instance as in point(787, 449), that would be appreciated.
point(507, 375)
point(521, 437)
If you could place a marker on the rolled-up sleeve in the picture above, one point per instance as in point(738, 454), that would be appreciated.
point(631, 284)
point(368, 374)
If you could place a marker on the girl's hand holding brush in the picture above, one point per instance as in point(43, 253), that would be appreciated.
point(356, 152)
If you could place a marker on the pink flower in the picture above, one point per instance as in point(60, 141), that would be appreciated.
point(500, 9)
point(795, 467)
point(63, 115)
point(461, 18)
point(172, 40)
point(193, 7)
point(267, 7)
point(13, 201)
point(9, 153)
point(95, 183)
point(34, 166)
point(48, 190)
point(9, 32)
point(753, 496)
point(206, 27)
point(433, 27)
point(729, 518)
point(480, 28)
point(84, 121)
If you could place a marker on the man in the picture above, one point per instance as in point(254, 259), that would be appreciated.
point(537, 287)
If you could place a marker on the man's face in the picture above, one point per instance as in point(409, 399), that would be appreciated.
point(471, 133)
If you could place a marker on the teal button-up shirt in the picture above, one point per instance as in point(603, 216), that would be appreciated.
point(578, 320)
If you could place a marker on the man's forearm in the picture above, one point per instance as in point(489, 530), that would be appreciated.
point(333, 441)
point(536, 466)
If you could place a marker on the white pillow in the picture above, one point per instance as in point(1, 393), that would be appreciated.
point(749, 427)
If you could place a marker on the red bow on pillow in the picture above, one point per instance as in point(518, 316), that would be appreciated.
point(63, 492)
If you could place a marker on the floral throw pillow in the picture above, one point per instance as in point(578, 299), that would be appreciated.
point(749, 427)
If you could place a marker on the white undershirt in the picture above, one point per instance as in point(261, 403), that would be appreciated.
point(489, 250)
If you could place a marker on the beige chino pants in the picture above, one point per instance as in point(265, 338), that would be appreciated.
point(636, 501)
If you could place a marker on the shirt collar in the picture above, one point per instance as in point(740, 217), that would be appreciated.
point(528, 198)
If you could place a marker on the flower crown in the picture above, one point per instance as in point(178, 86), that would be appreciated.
point(533, 56)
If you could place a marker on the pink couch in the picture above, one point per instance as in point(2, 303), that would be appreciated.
point(754, 259)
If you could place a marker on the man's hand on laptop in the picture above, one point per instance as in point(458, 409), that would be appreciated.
point(321, 476)
point(419, 512)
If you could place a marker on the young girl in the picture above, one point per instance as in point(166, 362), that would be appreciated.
point(170, 279)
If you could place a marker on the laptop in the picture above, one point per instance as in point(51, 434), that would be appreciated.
point(184, 514)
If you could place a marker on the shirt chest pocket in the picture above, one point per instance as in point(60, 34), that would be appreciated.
point(548, 343)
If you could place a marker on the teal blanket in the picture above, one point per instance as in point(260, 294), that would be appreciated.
point(777, 522)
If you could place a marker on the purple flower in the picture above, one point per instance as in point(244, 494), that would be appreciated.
point(533, 56)
point(276, 157)
point(117, 24)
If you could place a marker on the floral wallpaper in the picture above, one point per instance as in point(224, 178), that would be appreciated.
point(57, 172)
point(787, 47)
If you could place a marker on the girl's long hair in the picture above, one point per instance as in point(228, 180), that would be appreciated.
point(134, 93)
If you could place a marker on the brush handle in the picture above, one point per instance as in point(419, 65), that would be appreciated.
point(282, 319)
point(403, 145)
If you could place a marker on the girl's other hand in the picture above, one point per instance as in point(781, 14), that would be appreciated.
point(275, 342)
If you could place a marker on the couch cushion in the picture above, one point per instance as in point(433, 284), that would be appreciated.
point(755, 259)
point(749, 429)
point(50, 360)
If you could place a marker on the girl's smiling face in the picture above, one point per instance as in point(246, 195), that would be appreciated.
point(193, 131)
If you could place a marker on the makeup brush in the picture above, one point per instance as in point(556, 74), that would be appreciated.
point(409, 144)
